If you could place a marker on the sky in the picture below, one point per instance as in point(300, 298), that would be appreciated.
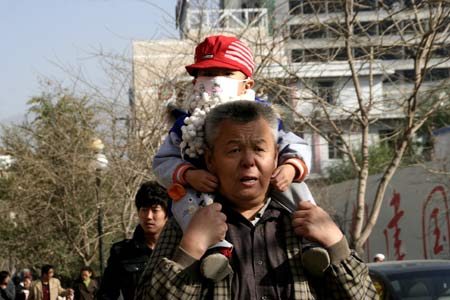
point(43, 38)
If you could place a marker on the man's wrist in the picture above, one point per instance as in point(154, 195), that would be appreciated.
point(194, 249)
point(339, 250)
point(333, 239)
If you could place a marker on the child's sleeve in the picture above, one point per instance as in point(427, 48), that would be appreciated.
point(168, 164)
point(294, 151)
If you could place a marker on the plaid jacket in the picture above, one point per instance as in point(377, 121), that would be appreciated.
point(166, 279)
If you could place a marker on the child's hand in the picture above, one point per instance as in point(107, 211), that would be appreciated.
point(282, 177)
point(201, 180)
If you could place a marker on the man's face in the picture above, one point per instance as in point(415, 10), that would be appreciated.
point(234, 74)
point(243, 158)
point(152, 219)
point(27, 282)
point(85, 275)
point(49, 274)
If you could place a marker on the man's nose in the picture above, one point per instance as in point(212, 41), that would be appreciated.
point(248, 158)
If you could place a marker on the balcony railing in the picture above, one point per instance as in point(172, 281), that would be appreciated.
point(227, 18)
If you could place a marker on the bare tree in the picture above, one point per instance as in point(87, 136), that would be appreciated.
point(356, 43)
point(52, 192)
point(53, 189)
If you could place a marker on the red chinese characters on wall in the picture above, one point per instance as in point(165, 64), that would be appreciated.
point(435, 224)
point(393, 229)
point(405, 227)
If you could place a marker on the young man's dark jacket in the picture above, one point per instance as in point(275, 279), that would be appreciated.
point(8, 293)
point(125, 265)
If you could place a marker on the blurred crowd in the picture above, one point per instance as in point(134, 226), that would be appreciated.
point(23, 286)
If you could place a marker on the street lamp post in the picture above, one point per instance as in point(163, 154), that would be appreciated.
point(100, 163)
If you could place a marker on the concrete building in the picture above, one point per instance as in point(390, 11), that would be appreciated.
point(442, 146)
point(302, 59)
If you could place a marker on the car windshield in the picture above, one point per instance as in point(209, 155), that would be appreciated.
point(431, 284)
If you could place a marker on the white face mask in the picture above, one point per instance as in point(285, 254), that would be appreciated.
point(219, 85)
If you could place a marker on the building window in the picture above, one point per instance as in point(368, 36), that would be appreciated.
point(333, 145)
point(411, 3)
point(335, 6)
point(366, 28)
point(297, 55)
point(339, 54)
point(361, 53)
point(295, 7)
point(366, 5)
point(437, 74)
point(388, 4)
point(387, 27)
point(442, 26)
point(320, 55)
point(325, 90)
point(387, 138)
point(390, 53)
point(315, 33)
point(408, 75)
point(296, 32)
point(441, 50)
point(335, 30)
point(314, 7)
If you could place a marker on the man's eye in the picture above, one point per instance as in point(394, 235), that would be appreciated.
point(259, 149)
point(234, 150)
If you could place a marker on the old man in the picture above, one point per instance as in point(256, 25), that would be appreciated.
point(242, 152)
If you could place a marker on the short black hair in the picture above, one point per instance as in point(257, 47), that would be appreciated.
point(16, 279)
point(46, 268)
point(150, 193)
point(86, 268)
point(3, 276)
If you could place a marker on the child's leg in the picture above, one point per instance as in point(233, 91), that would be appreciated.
point(184, 207)
point(315, 258)
point(215, 264)
point(289, 199)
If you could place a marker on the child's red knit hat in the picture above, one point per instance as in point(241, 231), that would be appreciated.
point(221, 51)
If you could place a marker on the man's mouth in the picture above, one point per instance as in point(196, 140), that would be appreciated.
point(248, 179)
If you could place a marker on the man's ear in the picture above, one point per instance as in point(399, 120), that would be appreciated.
point(209, 161)
point(277, 151)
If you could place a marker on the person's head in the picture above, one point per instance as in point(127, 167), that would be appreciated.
point(26, 273)
point(226, 61)
point(4, 277)
point(47, 272)
point(86, 273)
point(151, 203)
point(241, 149)
point(16, 280)
point(379, 257)
point(27, 282)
